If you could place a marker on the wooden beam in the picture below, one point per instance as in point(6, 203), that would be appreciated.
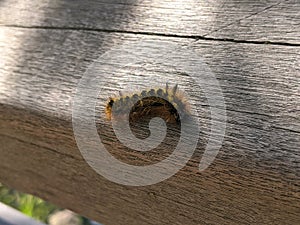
point(254, 179)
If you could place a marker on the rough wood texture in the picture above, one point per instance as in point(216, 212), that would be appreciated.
point(255, 177)
point(263, 21)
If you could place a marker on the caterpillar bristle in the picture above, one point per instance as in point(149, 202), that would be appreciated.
point(175, 89)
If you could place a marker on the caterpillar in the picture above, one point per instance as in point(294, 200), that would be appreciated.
point(166, 103)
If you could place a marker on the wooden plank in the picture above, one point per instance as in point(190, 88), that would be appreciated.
point(266, 21)
point(254, 179)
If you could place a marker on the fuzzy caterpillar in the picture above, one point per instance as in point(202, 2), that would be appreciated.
point(163, 102)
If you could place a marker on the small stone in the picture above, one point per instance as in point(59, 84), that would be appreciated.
point(64, 217)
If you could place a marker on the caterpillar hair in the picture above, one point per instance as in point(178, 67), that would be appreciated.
point(167, 103)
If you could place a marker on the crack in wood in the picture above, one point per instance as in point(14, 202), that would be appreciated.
point(196, 37)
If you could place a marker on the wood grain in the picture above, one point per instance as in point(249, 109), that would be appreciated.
point(263, 21)
point(254, 179)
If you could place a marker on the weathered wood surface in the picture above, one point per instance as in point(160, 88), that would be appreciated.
point(265, 21)
point(255, 177)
